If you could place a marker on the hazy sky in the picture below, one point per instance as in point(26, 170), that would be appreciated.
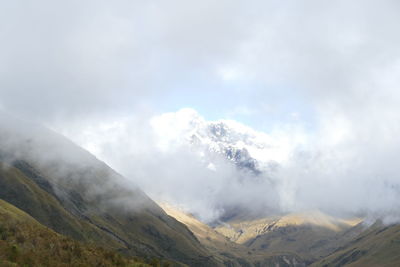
point(329, 68)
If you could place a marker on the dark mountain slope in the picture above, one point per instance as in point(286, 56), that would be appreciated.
point(70, 191)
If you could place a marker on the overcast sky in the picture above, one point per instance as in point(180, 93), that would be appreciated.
point(260, 62)
point(329, 68)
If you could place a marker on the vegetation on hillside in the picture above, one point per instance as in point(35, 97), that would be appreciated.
point(379, 245)
point(147, 233)
point(25, 242)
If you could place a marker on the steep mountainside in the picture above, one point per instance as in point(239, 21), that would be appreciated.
point(68, 190)
point(379, 245)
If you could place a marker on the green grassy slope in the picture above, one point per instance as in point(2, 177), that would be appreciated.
point(25, 242)
point(379, 245)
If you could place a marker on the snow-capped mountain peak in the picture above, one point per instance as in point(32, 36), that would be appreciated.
point(240, 144)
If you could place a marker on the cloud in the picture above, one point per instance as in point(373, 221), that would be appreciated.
point(333, 170)
point(155, 153)
point(70, 170)
point(92, 67)
point(75, 58)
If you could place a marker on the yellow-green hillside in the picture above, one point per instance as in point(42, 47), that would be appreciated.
point(229, 252)
point(25, 242)
point(311, 235)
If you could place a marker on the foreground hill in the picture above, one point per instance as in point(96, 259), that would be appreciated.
point(26, 242)
point(68, 190)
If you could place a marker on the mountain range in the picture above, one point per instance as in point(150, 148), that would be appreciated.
point(57, 201)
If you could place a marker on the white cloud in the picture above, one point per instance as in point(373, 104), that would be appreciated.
point(335, 170)
point(80, 66)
